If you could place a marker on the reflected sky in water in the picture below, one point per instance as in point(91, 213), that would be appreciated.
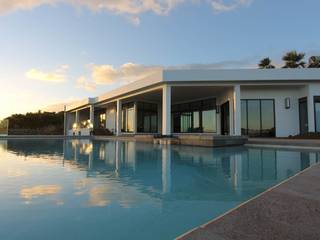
point(55, 189)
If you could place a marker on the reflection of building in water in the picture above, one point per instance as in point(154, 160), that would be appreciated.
point(3, 145)
point(181, 170)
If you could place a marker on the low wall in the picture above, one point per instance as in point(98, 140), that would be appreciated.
point(211, 140)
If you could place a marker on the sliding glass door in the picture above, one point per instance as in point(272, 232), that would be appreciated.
point(128, 118)
point(193, 117)
point(317, 113)
point(147, 117)
point(258, 117)
point(303, 115)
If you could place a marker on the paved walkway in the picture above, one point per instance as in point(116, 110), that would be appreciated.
point(290, 210)
point(284, 142)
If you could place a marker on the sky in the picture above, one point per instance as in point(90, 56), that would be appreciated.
point(58, 51)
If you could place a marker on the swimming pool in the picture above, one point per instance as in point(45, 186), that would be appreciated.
point(79, 189)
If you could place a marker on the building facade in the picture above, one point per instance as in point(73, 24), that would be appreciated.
point(251, 102)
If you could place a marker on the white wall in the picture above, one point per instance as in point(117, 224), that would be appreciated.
point(287, 120)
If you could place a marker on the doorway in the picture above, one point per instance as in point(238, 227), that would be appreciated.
point(303, 115)
point(225, 118)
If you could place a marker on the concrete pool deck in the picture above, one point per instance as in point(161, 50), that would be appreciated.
point(284, 142)
point(290, 210)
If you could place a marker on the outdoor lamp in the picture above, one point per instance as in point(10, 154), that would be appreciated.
point(287, 103)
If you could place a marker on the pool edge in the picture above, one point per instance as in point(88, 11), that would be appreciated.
point(205, 225)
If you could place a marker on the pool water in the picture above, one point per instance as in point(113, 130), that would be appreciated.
point(78, 189)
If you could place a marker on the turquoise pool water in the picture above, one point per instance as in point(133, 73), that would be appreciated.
point(55, 189)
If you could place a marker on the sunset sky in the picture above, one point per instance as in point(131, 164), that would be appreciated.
point(56, 51)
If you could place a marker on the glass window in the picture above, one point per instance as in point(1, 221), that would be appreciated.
point(209, 121)
point(198, 116)
point(317, 113)
point(258, 117)
point(130, 120)
point(186, 123)
point(127, 117)
point(147, 117)
point(267, 118)
point(244, 117)
point(254, 117)
point(196, 120)
point(102, 120)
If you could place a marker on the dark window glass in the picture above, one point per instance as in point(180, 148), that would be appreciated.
point(303, 115)
point(186, 122)
point(244, 126)
point(254, 117)
point(196, 120)
point(317, 113)
point(209, 121)
point(257, 118)
point(267, 118)
point(147, 117)
point(198, 116)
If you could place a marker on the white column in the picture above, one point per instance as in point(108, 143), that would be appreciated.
point(135, 122)
point(65, 122)
point(77, 117)
point(92, 115)
point(237, 110)
point(310, 97)
point(166, 110)
point(159, 115)
point(118, 118)
point(166, 168)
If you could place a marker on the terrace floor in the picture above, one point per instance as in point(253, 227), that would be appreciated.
point(290, 210)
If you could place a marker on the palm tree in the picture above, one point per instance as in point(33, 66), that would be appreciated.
point(314, 62)
point(265, 64)
point(293, 59)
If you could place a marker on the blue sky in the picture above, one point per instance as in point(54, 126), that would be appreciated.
point(63, 51)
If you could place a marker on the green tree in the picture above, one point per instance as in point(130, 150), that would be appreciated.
point(293, 59)
point(314, 62)
point(265, 64)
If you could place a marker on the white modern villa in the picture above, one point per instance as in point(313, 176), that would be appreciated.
point(247, 102)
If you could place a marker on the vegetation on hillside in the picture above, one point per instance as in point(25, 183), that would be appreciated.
point(40, 123)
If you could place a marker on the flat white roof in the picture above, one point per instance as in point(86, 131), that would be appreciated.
point(206, 75)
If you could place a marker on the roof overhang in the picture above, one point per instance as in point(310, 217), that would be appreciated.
point(180, 76)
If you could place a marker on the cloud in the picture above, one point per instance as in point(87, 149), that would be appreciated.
point(131, 72)
point(222, 6)
point(130, 8)
point(83, 83)
point(57, 76)
point(126, 73)
point(110, 75)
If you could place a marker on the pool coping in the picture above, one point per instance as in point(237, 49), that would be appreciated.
point(205, 226)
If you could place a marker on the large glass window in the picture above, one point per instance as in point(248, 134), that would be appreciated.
point(209, 120)
point(244, 128)
point(102, 120)
point(317, 113)
point(199, 116)
point(254, 120)
point(257, 117)
point(127, 117)
point(147, 117)
point(267, 118)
